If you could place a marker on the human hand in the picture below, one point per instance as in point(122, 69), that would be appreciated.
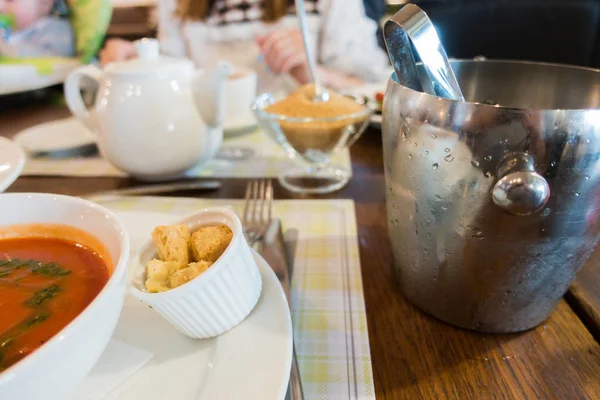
point(283, 52)
point(117, 50)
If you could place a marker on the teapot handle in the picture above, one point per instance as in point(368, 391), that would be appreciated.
point(73, 93)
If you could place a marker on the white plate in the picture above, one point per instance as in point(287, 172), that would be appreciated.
point(369, 91)
point(12, 160)
point(376, 121)
point(55, 136)
point(250, 362)
point(68, 133)
point(239, 127)
point(23, 78)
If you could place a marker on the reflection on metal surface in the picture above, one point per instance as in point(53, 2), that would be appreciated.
point(409, 29)
point(520, 190)
point(458, 255)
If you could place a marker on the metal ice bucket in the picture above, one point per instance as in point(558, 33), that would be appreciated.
point(493, 203)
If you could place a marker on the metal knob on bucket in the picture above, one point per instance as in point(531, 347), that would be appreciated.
point(493, 203)
point(519, 189)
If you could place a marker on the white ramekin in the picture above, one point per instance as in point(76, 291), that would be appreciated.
point(218, 299)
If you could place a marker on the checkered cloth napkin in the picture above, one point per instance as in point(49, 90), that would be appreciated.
point(328, 310)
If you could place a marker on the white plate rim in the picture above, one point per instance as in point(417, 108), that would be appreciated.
point(16, 161)
point(369, 90)
point(267, 272)
point(234, 127)
point(28, 73)
point(39, 134)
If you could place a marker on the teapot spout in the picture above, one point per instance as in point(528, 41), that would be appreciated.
point(208, 90)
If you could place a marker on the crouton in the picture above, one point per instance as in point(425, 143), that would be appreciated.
point(187, 274)
point(172, 243)
point(209, 243)
point(158, 273)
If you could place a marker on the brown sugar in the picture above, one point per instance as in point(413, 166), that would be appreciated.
point(321, 135)
point(300, 105)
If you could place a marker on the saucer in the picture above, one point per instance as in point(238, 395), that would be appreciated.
point(60, 136)
point(12, 160)
point(239, 127)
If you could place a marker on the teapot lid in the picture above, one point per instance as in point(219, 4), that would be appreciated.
point(148, 60)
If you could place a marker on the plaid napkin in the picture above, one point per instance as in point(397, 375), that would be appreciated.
point(328, 310)
point(268, 159)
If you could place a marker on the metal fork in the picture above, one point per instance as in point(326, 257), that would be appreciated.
point(257, 219)
point(258, 210)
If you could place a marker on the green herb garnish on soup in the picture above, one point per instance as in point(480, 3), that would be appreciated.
point(44, 284)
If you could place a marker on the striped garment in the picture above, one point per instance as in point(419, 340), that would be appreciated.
point(342, 38)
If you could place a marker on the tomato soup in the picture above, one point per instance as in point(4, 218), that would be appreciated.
point(45, 282)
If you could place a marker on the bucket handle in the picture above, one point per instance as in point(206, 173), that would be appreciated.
point(519, 189)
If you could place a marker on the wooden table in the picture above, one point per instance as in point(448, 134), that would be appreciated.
point(414, 355)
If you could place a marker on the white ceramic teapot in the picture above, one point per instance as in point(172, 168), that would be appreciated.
point(155, 117)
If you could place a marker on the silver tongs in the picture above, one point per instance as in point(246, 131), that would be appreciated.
point(410, 37)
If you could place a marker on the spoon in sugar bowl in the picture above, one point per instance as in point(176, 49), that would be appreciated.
point(321, 94)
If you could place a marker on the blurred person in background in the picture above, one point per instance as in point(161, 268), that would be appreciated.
point(375, 9)
point(38, 28)
point(263, 35)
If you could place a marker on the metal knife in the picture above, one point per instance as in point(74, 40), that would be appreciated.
point(272, 249)
point(202, 185)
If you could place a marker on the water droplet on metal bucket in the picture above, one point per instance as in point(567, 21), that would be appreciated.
point(404, 138)
point(433, 135)
point(488, 158)
point(426, 152)
point(553, 164)
point(546, 212)
point(435, 166)
point(487, 174)
point(475, 163)
point(438, 197)
point(444, 208)
point(587, 140)
point(587, 177)
point(477, 234)
point(577, 194)
point(410, 156)
point(449, 158)
point(447, 150)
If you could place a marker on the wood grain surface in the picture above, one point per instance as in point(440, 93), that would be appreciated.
point(414, 355)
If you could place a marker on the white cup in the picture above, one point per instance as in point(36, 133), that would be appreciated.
point(240, 94)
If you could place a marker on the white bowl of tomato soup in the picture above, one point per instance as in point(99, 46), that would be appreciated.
point(63, 263)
